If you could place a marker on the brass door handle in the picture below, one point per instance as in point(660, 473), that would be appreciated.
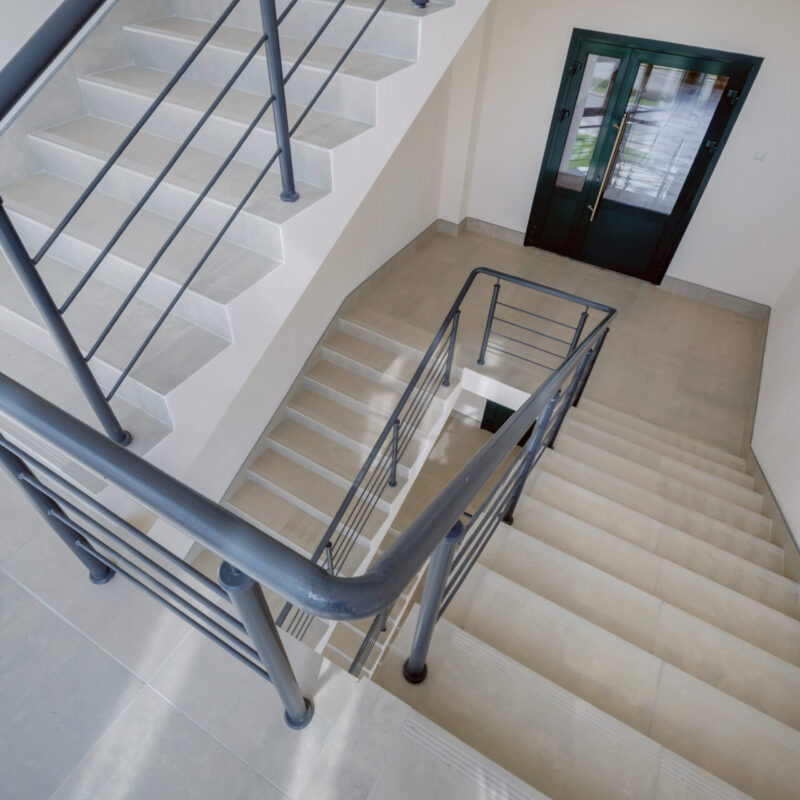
point(623, 123)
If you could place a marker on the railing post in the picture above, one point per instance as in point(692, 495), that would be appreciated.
point(26, 271)
point(395, 451)
point(576, 337)
point(566, 404)
point(451, 349)
point(597, 348)
point(99, 573)
point(529, 455)
point(269, 19)
point(415, 670)
point(247, 597)
point(489, 321)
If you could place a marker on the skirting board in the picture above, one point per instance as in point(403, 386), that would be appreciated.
point(694, 291)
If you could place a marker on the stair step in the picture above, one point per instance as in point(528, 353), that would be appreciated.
point(39, 202)
point(308, 490)
point(394, 32)
point(363, 395)
point(638, 560)
point(77, 150)
point(123, 94)
point(281, 518)
point(380, 328)
point(542, 733)
point(669, 488)
point(177, 351)
point(756, 753)
point(357, 431)
point(705, 481)
point(648, 509)
point(765, 639)
point(166, 43)
point(331, 460)
point(659, 446)
point(688, 443)
point(374, 362)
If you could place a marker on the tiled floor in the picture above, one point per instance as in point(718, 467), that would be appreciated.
point(106, 695)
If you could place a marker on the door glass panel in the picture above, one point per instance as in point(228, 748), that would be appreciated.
point(587, 117)
point(669, 112)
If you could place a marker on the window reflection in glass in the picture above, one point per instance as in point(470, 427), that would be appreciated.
point(669, 113)
point(587, 117)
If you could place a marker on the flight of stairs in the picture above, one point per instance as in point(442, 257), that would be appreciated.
point(632, 635)
point(223, 323)
point(300, 471)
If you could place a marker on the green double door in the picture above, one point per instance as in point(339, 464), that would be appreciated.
point(637, 130)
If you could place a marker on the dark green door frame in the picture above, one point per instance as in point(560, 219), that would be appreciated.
point(569, 207)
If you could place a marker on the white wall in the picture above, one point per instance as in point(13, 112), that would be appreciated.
point(742, 237)
point(20, 20)
point(776, 436)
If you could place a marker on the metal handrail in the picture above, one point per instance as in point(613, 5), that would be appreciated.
point(269, 561)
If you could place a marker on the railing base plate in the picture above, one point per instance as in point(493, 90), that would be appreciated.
point(415, 677)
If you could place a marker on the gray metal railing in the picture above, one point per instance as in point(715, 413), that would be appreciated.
point(232, 610)
point(66, 25)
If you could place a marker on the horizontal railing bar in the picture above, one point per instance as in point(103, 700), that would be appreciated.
point(266, 559)
point(177, 230)
point(336, 68)
point(95, 182)
point(532, 330)
point(134, 569)
point(314, 39)
point(204, 601)
point(115, 518)
point(539, 316)
point(495, 349)
point(180, 613)
point(159, 180)
point(528, 344)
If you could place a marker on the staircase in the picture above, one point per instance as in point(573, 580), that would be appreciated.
point(632, 634)
point(210, 345)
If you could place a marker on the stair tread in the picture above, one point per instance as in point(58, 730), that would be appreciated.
point(625, 431)
point(319, 129)
point(688, 443)
point(229, 271)
point(637, 558)
point(148, 154)
point(372, 321)
point(329, 455)
point(281, 518)
point(360, 64)
point(542, 733)
point(719, 486)
point(669, 488)
point(176, 352)
point(631, 684)
point(654, 507)
point(309, 488)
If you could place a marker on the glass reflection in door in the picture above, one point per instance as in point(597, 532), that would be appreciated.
point(587, 118)
point(668, 114)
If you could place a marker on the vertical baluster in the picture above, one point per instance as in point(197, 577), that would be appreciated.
point(489, 321)
point(572, 391)
point(576, 338)
point(22, 264)
point(415, 669)
point(395, 450)
point(247, 597)
point(597, 348)
point(269, 19)
point(530, 452)
point(451, 349)
point(99, 573)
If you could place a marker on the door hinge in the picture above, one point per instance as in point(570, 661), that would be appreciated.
point(564, 114)
point(711, 146)
point(733, 96)
point(575, 67)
